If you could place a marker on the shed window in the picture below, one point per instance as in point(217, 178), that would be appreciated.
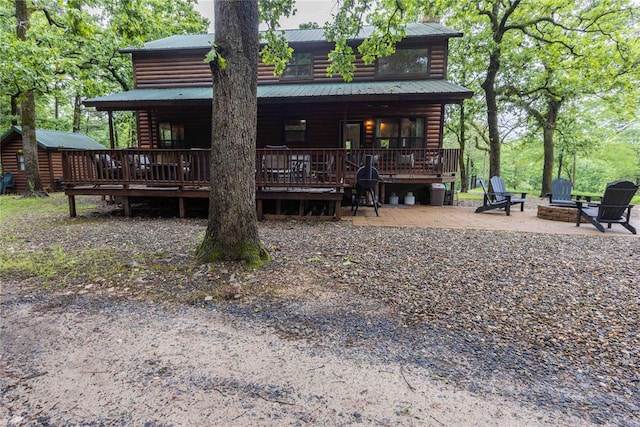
point(299, 67)
point(403, 62)
point(295, 131)
point(20, 159)
point(171, 135)
point(400, 132)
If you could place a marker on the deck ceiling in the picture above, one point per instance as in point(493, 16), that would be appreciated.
point(384, 91)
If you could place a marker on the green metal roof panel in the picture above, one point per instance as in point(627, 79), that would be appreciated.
point(165, 94)
point(59, 139)
point(203, 41)
point(338, 89)
point(300, 91)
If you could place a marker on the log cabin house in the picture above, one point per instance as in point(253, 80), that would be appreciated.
point(50, 146)
point(314, 131)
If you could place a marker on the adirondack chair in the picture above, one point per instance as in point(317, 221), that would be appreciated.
point(615, 207)
point(499, 198)
point(561, 193)
point(7, 183)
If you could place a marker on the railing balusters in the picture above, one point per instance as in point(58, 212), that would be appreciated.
point(275, 167)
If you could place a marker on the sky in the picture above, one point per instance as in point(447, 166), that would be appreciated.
point(308, 11)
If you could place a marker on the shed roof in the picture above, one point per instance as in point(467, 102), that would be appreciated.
point(49, 139)
point(203, 41)
point(416, 90)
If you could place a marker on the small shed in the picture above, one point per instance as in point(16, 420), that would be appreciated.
point(49, 156)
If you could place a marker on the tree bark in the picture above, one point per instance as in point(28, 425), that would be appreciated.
point(548, 143)
point(232, 231)
point(77, 109)
point(30, 145)
point(492, 113)
point(28, 115)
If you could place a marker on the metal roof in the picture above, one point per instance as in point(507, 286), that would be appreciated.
point(58, 139)
point(203, 41)
point(416, 90)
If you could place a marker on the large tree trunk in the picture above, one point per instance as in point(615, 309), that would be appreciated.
point(232, 231)
point(30, 146)
point(549, 130)
point(492, 113)
point(28, 115)
point(77, 110)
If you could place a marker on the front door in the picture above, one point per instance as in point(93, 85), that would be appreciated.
point(351, 135)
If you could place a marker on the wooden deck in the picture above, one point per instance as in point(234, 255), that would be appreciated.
point(299, 175)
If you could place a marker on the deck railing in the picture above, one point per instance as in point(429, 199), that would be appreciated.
point(275, 167)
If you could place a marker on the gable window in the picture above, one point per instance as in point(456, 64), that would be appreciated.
point(295, 131)
point(402, 132)
point(299, 67)
point(20, 159)
point(171, 135)
point(404, 62)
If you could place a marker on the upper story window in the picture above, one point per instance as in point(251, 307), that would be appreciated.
point(404, 62)
point(295, 131)
point(300, 66)
point(401, 132)
point(171, 135)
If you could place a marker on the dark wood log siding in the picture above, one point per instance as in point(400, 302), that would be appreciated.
point(49, 163)
point(320, 64)
point(323, 125)
point(196, 126)
point(438, 62)
point(158, 69)
point(145, 133)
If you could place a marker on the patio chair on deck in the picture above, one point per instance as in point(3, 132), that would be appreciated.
point(107, 167)
point(561, 193)
point(276, 165)
point(499, 198)
point(615, 207)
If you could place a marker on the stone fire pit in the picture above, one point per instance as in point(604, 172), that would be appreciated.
point(558, 213)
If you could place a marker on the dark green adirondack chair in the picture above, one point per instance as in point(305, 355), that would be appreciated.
point(615, 207)
point(499, 197)
point(561, 193)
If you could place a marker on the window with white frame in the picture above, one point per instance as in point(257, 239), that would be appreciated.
point(20, 160)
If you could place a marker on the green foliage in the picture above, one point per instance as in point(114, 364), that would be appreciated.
point(73, 49)
point(582, 56)
point(213, 58)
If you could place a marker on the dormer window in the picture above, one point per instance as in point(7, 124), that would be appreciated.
point(404, 62)
point(300, 66)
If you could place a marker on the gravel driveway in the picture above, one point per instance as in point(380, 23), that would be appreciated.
point(371, 325)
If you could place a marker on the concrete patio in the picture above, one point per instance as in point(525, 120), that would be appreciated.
point(464, 217)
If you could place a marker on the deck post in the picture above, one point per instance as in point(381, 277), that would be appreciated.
point(72, 206)
point(181, 207)
point(127, 206)
point(260, 211)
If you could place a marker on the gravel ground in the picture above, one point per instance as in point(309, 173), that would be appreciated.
point(549, 321)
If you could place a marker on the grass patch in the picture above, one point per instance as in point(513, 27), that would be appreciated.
point(55, 267)
point(15, 209)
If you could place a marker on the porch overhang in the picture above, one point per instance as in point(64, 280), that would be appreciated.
point(441, 91)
